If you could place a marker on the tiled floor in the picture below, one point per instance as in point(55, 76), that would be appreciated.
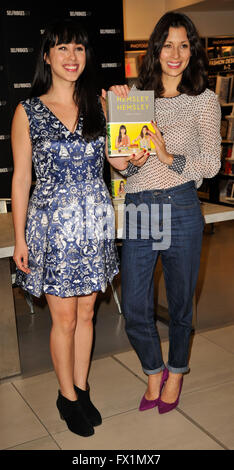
point(203, 420)
point(205, 417)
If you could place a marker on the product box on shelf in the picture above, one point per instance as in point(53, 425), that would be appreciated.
point(117, 185)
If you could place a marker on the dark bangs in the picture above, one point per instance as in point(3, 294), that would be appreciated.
point(64, 32)
point(87, 86)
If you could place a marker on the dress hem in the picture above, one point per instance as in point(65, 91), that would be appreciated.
point(100, 289)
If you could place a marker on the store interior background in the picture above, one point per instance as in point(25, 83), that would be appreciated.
point(211, 17)
point(215, 294)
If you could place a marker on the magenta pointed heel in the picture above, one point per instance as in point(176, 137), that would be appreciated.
point(149, 404)
point(164, 407)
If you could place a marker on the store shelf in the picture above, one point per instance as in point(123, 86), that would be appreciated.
point(228, 200)
point(226, 175)
point(227, 104)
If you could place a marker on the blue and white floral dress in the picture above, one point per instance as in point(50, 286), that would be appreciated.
point(70, 219)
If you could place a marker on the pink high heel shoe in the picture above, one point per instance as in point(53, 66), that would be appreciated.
point(164, 407)
point(148, 404)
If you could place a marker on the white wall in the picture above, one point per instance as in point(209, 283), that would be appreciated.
point(213, 23)
point(140, 17)
point(174, 4)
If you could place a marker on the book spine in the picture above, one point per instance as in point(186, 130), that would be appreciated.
point(230, 133)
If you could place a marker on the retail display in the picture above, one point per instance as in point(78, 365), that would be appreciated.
point(220, 50)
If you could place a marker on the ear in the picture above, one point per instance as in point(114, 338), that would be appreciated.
point(46, 59)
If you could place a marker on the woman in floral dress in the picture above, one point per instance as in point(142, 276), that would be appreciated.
point(64, 235)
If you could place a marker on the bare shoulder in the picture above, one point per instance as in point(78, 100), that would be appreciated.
point(20, 115)
point(20, 128)
point(20, 122)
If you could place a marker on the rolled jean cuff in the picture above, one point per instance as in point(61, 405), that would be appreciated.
point(178, 370)
point(155, 371)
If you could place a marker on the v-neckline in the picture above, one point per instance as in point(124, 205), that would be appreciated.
point(59, 120)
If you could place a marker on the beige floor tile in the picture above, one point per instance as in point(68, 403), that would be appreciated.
point(136, 430)
point(113, 390)
point(130, 360)
point(209, 364)
point(18, 422)
point(213, 409)
point(223, 337)
point(46, 443)
point(41, 393)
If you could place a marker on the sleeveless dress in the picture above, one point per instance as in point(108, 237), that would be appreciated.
point(70, 226)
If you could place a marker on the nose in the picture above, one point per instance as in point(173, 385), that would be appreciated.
point(72, 54)
point(175, 52)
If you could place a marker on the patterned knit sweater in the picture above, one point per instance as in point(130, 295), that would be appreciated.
point(191, 130)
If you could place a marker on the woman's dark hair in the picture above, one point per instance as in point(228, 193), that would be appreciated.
point(120, 134)
point(86, 87)
point(194, 78)
point(142, 134)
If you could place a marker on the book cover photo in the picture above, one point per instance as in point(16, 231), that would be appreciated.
point(128, 121)
point(117, 185)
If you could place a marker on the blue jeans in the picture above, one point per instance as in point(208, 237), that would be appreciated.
point(180, 261)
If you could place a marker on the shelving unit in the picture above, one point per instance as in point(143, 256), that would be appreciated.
point(226, 175)
point(220, 50)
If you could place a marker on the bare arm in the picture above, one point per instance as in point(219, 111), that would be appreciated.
point(21, 183)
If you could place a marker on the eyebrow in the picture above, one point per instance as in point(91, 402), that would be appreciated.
point(186, 40)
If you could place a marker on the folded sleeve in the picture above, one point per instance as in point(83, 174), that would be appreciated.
point(129, 171)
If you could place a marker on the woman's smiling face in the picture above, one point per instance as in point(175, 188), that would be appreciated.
point(175, 53)
point(67, 61)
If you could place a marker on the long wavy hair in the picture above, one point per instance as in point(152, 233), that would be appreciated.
point(120, 133)
point(86, 87)
point(194, 78)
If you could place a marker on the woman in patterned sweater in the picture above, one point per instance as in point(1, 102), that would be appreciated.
point(187, 140)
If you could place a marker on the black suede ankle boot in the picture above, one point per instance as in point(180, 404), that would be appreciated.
point(72, 412)
point(90, 411)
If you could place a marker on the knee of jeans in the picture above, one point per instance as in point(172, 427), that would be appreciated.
point(128, 317)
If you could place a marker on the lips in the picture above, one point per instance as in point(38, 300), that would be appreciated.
point(71, 68)
point(174, 65)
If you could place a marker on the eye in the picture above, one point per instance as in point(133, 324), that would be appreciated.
point(62, 48)
point(80, 48)
point(184, 46)
point(167, 46)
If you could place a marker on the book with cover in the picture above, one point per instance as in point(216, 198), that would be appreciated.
point(223, 88)
point(128, 120)
point(230, 132)
point(117, 184)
